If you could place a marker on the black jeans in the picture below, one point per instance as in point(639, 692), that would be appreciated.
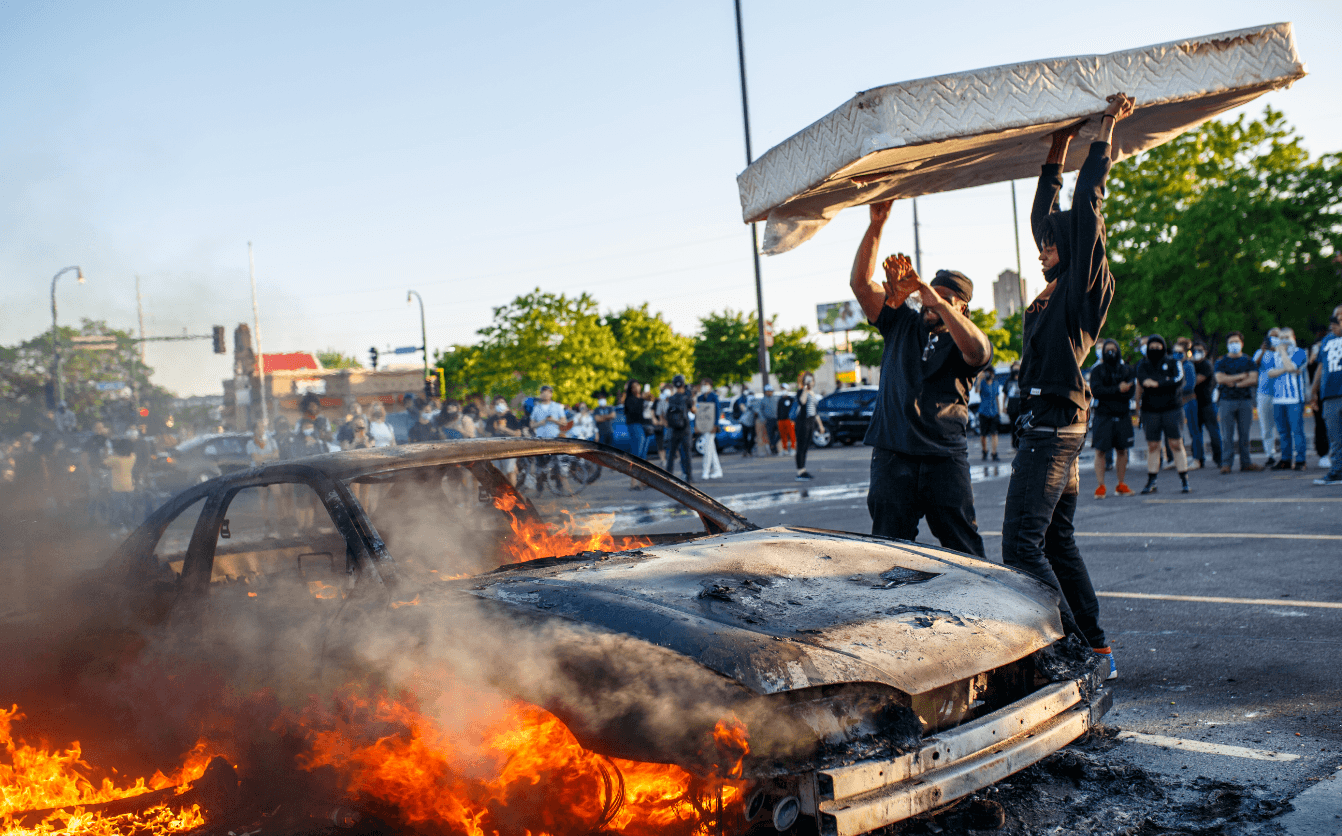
point(804, 430)
point(1037, 532)
point(771, 427)
point(679, 443)
point(904, 489)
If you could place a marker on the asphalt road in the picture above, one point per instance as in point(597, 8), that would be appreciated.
point(1223, 607)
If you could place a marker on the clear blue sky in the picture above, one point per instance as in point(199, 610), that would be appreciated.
point(476, 151)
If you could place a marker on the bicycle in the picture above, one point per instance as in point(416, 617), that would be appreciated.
point(566, 475)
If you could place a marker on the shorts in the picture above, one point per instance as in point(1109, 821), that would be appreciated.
point(1170, 422)
point(1111, 432)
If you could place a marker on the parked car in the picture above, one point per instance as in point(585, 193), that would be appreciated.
point(198, 459)
point(730, 435)
point(846, 414)
point(877, 679)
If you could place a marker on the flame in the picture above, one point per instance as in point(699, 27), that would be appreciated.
point(35, 779)
point(533, 538)
point(396, 605)
point(324, 591)
point(526, 774)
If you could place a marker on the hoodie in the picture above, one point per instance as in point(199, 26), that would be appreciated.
point(1059, 332)
point(1168, 373)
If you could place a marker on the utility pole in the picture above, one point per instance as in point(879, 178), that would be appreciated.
point(754, 236)
point(423, 336)
point(55, 345)
point(256, 319)
point(139, 310)
point(917, 247)
point(1015, 222)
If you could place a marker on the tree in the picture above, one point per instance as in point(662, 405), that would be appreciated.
point(332, 359)
point(1228, 227)
point(725, 350)
point(792, 353)
point(543, 338)
point(871, 347)
point(25, 371)
point(1000, 336)
point(653, 351)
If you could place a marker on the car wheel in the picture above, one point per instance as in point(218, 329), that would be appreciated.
point(848, 442)
point(821, 438)
point(700, 444)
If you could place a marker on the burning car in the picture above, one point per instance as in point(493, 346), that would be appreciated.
point(774, 677)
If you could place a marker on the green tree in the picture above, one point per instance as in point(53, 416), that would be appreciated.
point(792, 353)
point(543, 338)
point(1000, 336)
point(870, 347)
point(458, 363)
point(1228, 227)
point(725, 350)
point(25, 370)
point(653, 351)
point(332, 359)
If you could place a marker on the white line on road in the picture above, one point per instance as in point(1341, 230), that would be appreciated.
point(1178, 743)
point(1218, 535)
point(1201, 599)
point(1246, 499)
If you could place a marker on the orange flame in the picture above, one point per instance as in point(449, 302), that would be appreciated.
point(533, 538)
point(396, 605)
point(35, 779)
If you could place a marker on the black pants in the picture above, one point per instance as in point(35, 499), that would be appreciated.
point(804, 428)
point(1037, 532)
point(679, 443)
point(905, 489)
point(748, 439)
point(771, 427)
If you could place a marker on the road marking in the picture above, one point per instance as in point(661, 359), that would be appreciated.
point(1247, 499)
point(1177, 743)
point(1219, 535)
point(1203, 599)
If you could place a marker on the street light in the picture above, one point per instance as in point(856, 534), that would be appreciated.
point(55, 346)
point(423, 336)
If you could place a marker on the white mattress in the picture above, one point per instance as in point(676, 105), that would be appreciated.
point(991, 125)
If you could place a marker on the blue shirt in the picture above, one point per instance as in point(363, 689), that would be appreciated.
point(1288, 388)
point(1330, 367)
point(1264, 358)
point(988, 392)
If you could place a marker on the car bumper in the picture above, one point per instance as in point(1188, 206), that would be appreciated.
point(864, 796)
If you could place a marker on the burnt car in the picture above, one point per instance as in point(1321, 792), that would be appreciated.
point(877, 679)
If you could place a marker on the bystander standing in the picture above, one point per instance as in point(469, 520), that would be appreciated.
point(1267, 421)
point(769, 412)
point(1326, 395)
point(989, 411)
point(1286, 369)
point(1237, 382)
point(707, 409)
point(1112, 382)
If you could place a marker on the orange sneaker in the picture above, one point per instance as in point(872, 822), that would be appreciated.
point(1123, 490)
point(1099, 492)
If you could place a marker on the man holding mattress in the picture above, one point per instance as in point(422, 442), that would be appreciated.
point(1060, 329)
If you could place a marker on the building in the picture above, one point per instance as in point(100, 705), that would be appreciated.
point(1007, 294)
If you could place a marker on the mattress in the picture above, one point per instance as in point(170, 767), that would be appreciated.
point(992, 125)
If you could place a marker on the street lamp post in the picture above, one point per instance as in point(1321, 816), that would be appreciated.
point(423, 336)
point(55, 346)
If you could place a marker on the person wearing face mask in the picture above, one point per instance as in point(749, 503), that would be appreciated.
point(1112, 381)
point(806, 420)
point(706, 412)
point(1267, 424)
point(1202, 408)
point(1237, 381)
point(1160, 379)
point(604, 416)
point(424, 429)
point(918, 431)
point(1326, 394)
point(1285, 368)
point(1060, 328)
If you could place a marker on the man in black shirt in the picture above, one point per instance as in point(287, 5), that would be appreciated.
point(680, 420)
point(1112, 382)
point(1161, 381)
point(1060, 329)
point(920, 464)
point(1204, 414)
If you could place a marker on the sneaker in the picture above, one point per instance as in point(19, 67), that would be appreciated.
point(1299, 465)
point(1123, 490)
point(1113, 666)
point(1099, 492)
point(985, 455)
point(995, 458)
point(1225, 469)
point(804, 477)
point(1324, 461)
point(1185, 488)
point(1330, 479)
point(1271, 460)
point(1282, 465)
point(1150, 488)
point(1251, 468)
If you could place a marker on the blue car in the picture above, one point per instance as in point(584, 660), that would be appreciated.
point(730, 436)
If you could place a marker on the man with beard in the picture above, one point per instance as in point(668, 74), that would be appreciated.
point(920, 460)
point(1060, 329)
point(1161, 379)
point(1111, 381)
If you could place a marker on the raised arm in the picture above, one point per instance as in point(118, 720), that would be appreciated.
point(869, 292)
point(971, 341)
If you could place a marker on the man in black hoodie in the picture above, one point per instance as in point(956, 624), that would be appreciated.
point(1112, 382)
point(1060, 329)
point(1161, 381)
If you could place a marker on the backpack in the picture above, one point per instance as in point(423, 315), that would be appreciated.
point(794, 411)
point(677, 409)
point(786, 406)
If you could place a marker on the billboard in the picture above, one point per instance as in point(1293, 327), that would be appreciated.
point(839, 316)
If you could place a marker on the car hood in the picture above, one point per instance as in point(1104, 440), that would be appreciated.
point(782, 609)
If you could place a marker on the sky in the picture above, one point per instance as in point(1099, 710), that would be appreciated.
point(475, 152)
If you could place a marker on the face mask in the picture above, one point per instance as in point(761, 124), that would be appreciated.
point(601, 402)
point(704, 390)
point(666, 393)
point(1111, 357)
point(1288, 342)
point(1234, 348)
point(1178, 354)
point(500, 408)
point(307, 432)
point(1274, 341)
point(1198, 355)
point(1155, 354)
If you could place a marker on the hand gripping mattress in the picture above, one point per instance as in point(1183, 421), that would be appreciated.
point(991, 125)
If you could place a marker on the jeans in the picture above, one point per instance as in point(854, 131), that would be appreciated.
point(1037, 532)
point(1236, 417)
point(1267, 427)
point(771, 427)
point(1199, 417)
point(1332, 418)
point(905, 489)
point(803, 443)
point(679, 442)
point(638, 441)
point(1291, 427)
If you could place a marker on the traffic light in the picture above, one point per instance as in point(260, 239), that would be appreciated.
point(219, 340)
point(144, 412)
point(372, 357)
